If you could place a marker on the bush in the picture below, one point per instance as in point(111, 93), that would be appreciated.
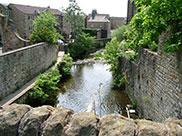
point(92, 32)
point(45, 90)
point(65, 65)
point(152, 19)
point(114, 50)
point(44, 29)
point(119, 32)
point(83, 43)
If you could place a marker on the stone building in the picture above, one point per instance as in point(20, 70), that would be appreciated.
point(131, 10)
point(4, 10)
point(9, 39)
point(23, 16)
point(116, 21)
point(101, 23)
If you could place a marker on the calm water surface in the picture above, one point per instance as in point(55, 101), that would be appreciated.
point(81, 91)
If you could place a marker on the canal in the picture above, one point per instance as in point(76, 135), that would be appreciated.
point(90, 89)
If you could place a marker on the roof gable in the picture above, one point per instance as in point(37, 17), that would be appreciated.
point(99, 18)
point(32, 9)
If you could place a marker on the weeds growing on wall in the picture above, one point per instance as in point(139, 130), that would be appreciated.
point(154, 17)
point(113, 51)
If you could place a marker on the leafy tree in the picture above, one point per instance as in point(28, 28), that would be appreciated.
point(119, 32)
point(44, 28)
point(154, 17)
point(75, 17)
point(45, 89)
point(83, 43)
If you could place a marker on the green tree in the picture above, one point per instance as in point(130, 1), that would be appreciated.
point(154, 17)
point(45, 90)
point(75, 17)
point(44, 28)
point(83, 43)
point(119, 32)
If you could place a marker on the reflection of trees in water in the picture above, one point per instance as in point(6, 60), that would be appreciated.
point(82, 90)
point(114, 101)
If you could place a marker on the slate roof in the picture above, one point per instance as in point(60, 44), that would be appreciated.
point(99, 18)
point(32, 9)
point(4, 6)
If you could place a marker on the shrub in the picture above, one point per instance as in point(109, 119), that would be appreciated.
point(119, 32)
point(92, 32)
point(65, 65)
point(152, 19)
point(45, 90)
point(114, 50)
point(44, 29)
point(83, 43)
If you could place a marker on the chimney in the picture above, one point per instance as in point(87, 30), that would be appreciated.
point(94, 12)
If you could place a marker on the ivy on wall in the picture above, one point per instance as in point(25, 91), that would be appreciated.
point(152, 19)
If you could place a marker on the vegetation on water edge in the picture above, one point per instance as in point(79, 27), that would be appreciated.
point(65, 65)
point(46, 88)
point(153, 18)
point(80, 47)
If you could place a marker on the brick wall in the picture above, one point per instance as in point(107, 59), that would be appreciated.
point(20, 66)
point(155, 82)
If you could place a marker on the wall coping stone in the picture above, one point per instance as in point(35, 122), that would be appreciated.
point(20, 119)
point(21, 49)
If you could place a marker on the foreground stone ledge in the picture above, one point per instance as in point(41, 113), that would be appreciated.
point(31, 122)
point(10, 118)
point(82, 124)
point(116, 125)
point(23, 120)
point(55, 124)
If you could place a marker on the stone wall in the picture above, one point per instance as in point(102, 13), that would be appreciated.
point(19, 19)
point(9, 39)
point(100, 26)
point(116, 22)
point(23, 120)
point(131, 10)
point(19, 66)
point(155, 83)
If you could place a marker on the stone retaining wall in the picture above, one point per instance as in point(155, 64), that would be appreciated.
point(155, 84)
point(19, 66)
point(23, 120)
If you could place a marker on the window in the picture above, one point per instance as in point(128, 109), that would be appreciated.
point(30, 29)
point(7, 13)
point(92, 25)
point(30, 17)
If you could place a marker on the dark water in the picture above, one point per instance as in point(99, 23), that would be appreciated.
point(81, 92)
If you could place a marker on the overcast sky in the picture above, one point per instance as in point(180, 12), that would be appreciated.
point(113, 7)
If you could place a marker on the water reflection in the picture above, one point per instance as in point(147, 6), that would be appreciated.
point(80, 92)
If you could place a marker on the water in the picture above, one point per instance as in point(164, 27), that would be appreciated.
point(81, 91)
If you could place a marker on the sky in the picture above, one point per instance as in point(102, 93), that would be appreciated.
point(117, 8)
